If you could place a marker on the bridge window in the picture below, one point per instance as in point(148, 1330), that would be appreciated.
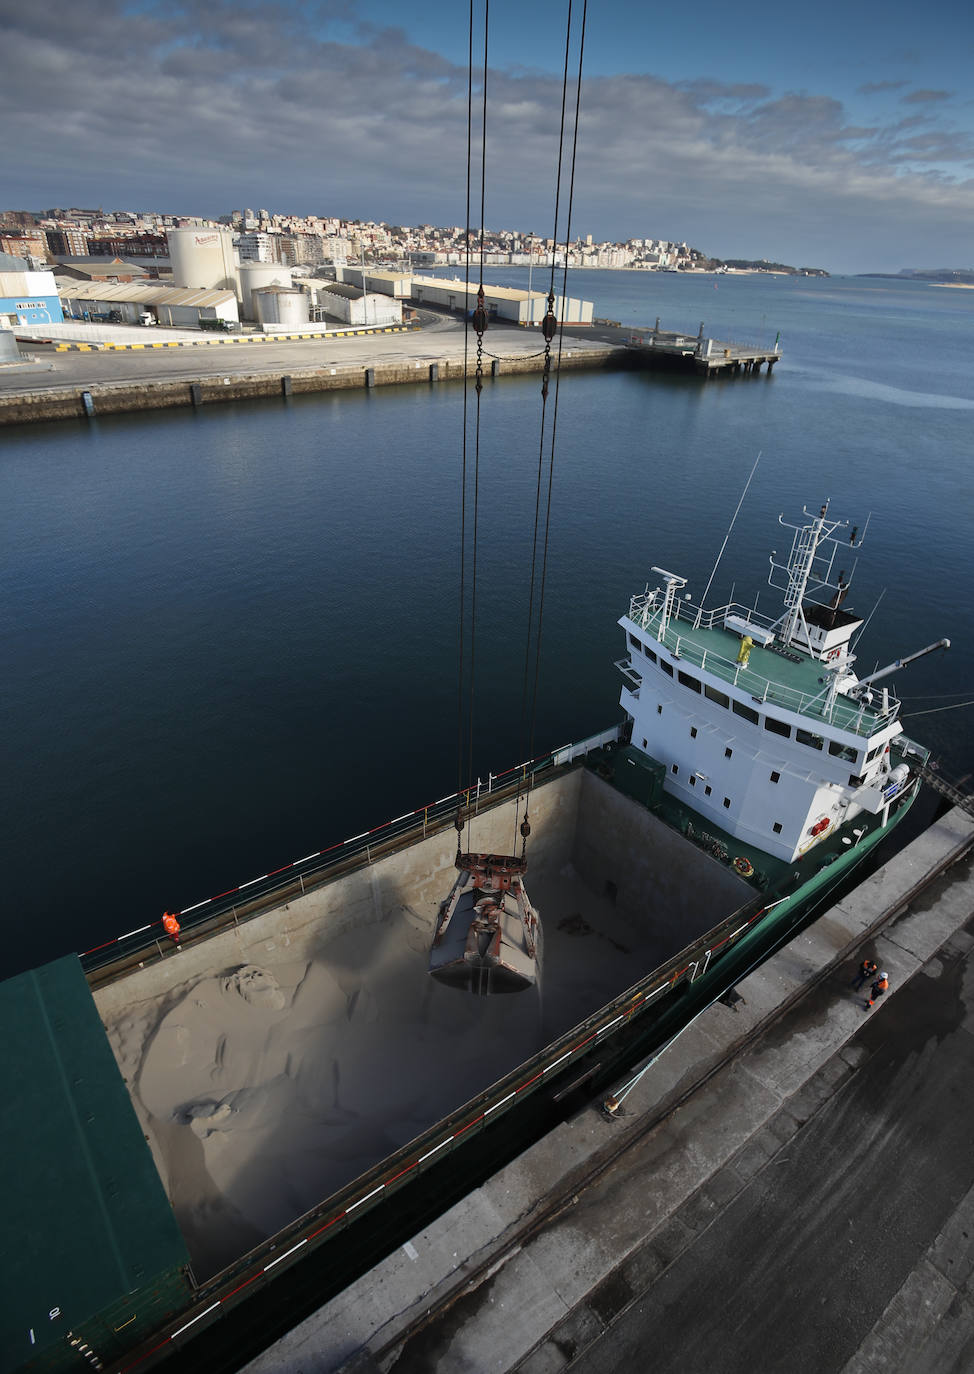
point(688, 681)
point(667, 667)
point(874, 753)
point(721, 698)
point(634, 642)
point(838, 750)
point(806, 737)
point(777, 727)
point(650, 655)
point(741, 710)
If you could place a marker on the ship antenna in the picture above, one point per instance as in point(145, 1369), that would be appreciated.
point(868, 618)
point(703, 599)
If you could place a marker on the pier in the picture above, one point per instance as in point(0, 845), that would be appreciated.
point(84, 382)
point(704, 355)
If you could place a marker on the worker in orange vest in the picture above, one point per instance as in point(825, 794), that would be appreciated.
point(878, 988)
point(867, 969)
point(171, 927)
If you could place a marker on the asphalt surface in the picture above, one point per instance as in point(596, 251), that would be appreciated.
point(441, 337)
point(850, 1243)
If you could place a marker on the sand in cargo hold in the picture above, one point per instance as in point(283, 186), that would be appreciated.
point(264, 1089)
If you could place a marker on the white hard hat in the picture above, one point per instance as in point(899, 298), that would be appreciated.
point(883, 975)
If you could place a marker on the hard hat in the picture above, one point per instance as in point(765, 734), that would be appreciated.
point(883, 975)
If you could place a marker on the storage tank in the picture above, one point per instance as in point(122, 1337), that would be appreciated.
point(254, 275)
point(202, 258)
point(280, 307)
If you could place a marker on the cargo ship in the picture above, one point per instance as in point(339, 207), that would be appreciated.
point(301, 1072)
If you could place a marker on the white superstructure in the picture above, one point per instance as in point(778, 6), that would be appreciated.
point(761, 725)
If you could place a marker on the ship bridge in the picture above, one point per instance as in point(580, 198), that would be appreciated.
point(772, 674)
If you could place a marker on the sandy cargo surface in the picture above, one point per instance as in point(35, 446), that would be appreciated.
point(274, 1063)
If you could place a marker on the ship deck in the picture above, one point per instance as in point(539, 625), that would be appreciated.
point(276, 1061)
point(791, 679)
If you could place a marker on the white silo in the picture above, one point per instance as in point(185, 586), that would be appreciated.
point(280, 307)
point(202, 258)
point(254, 275)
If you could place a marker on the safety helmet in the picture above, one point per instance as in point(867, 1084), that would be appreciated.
point(883, 975)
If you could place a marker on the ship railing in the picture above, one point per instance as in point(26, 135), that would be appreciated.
point(843, 712)
point(570, 752)
point(149, 943)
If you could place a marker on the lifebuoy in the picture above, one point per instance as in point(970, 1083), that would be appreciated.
point(743, 866)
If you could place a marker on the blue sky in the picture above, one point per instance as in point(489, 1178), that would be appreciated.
point(839, 136)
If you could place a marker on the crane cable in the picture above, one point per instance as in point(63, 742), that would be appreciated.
point(550, 326)
point(479, 322)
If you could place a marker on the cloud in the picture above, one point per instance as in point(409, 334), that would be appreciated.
point(197, 107)
point(925, 97)
point(877, 87)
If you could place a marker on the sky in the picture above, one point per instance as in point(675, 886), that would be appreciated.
point(835, 135)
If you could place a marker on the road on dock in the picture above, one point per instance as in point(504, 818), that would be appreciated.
point(851, 1248)
point(441, 338)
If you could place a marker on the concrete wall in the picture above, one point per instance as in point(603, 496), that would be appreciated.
point(116, 398)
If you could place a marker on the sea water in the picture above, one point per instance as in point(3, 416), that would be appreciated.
point(230, 634)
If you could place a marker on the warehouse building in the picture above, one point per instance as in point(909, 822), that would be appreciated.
point(27, 297)
point(502, 302)
point(350, 304)
point(395, 284)
point(131, 303)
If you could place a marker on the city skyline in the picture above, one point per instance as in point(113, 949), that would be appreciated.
point(846, 144)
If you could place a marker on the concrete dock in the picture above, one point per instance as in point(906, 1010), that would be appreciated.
point(791, 1185)
point(75, 380)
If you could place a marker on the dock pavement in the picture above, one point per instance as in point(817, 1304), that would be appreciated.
point(790, 1187)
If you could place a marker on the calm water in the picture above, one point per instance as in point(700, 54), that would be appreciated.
point(229, 635)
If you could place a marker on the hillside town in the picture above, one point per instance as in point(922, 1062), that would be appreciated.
point(56, 236)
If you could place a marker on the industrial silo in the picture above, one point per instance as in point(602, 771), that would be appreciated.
point(202, 258)
point(281, 307)
point(254, 275)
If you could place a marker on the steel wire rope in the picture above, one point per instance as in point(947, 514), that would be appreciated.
point(529, 716)
point(465, 761)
